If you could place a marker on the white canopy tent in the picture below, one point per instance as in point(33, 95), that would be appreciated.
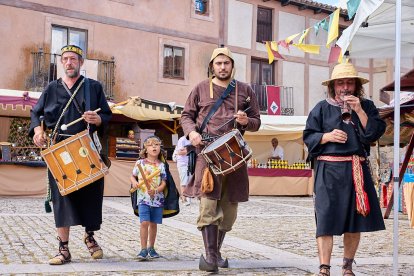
point(377, 40)
point(389, 32)
point(287, 129)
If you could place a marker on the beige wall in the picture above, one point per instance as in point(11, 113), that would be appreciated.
point(240, 21)
point(317, 92)
point(294, 76)
point(130, 33)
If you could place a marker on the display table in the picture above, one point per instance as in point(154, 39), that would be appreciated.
point(22, 178)
point(280, 182)
point(18, 179)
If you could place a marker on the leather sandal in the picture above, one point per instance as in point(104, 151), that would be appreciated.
point(63, 256)
point(347, 267)
point(324, 270)
point(94, 249)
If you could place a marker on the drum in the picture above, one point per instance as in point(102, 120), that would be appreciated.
point(74, 162)
point(228, 153)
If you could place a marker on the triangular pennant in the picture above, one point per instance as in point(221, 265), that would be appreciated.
point(324, 24)
point(309, 48)
point(274, 46)
point(302, 37)
point(316, 28)
point(352, 7)
point(333, 27)
point(277, 55)
point(283, 44)
point(269, 53)
point(290, 38)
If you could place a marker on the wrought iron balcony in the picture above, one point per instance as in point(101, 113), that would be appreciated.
point(286, 99)
point(46, 68)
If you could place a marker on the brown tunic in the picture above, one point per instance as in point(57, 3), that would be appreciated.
point(196, 109)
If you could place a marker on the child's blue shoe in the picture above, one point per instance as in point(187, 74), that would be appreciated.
point(152, 253)
point(143, 255)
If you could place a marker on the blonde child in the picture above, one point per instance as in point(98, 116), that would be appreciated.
point(150, 201)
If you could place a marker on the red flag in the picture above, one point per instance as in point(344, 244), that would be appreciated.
point(273, 100)
point(334, 54)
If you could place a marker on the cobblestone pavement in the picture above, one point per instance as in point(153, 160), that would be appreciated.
point(272, 236)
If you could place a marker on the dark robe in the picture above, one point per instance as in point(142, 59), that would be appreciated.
point(334, 192)
point(196, 109)
point(82, 207)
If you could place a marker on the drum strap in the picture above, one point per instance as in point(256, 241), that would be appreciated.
point(64, 110)
point(217, 104)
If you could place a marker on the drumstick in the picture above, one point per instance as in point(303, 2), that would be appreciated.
point(142, 182)
point(65, 127)
point(232, 119)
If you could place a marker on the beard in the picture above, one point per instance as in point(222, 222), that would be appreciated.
point(73, 74)
point(223, 77)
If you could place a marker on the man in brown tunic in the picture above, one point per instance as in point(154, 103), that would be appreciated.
point(218, 208)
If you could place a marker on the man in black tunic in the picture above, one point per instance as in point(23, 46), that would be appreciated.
point(338, 134)
point(82, 207)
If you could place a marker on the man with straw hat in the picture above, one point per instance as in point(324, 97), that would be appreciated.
point(218, 207)
point(338, 134)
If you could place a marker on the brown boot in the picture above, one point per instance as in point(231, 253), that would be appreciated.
point(209, 263)
point(220, 262)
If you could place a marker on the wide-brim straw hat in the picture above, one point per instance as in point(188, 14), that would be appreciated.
point(344, 71)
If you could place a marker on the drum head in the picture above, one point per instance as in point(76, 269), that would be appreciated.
point(220, 141)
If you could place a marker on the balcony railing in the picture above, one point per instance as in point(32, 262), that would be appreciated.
point(286, 99)
point(45, 69)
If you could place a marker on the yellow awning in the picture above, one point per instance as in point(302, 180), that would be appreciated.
point(146, 110)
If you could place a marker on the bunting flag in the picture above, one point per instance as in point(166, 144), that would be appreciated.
point(333, 27)
point(290, 38)
point(316, 28)
point(270, 55)
point(277, 55)
point(352, 7)
point(272, 52)
point(283, 44)
point(324, 24)
point(304, 34)
point(364, 10)
point(334, 54)
point(274, 46)
point(308, 48)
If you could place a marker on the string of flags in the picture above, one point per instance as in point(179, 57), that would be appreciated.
point(329, 24)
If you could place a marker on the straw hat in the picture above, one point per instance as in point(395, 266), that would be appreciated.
point(344, 71)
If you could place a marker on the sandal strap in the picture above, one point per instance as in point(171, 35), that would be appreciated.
point(347, 267)
point(91, 240)
point(326, 268)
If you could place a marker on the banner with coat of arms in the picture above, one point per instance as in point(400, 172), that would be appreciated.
point(273, 100)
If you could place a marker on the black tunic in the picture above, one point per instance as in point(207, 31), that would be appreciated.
point(82, 207)
point(334, 192)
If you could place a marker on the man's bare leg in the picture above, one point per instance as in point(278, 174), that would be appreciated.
point(325, 245)
point(63, 233)
point(64, 255)
point(351, 242)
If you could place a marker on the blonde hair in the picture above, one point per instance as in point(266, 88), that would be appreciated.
point(152, 140)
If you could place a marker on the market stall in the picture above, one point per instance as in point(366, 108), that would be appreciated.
point(29, 178)
point(279, 181)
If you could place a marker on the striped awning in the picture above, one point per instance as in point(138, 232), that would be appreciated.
point(17, 103)
point(145, 110)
